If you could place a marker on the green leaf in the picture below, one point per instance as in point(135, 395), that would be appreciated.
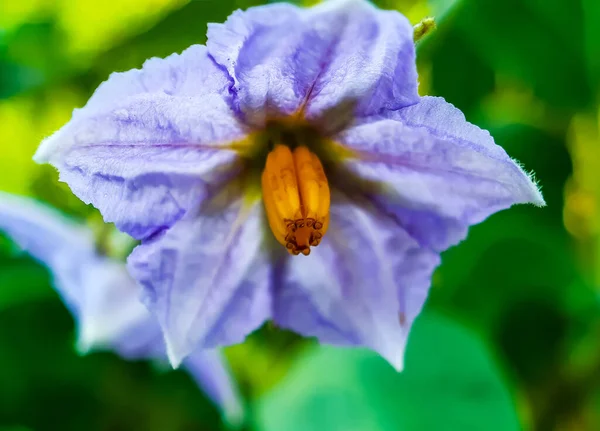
point(41, 372)
point(22, 280)
point(177, 31)
point(538, 44)
point(457, 71)
point(15, 79)
point(591, 14)
point(450, 382)
point(441, 8)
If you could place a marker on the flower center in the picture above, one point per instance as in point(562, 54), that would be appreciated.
point(296, 197)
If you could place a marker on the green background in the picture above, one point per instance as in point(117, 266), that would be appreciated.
point(510, 336)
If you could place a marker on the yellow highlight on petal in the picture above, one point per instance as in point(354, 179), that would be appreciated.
point(296, 198)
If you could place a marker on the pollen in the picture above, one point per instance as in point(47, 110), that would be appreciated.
point(296, 198)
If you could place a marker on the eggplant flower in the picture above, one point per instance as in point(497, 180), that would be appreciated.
point(288, 170)
point(102, 297)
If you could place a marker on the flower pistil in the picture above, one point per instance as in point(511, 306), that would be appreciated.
point(296, 197)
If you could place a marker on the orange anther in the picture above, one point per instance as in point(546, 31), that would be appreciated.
point(296, 197)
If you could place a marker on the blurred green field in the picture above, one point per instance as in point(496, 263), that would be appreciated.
point(510, 335)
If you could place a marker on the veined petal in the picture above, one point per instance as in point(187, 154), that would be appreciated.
point(205, 278)
point(437, 173)
point(148, 142)
point(284, 58)
point(363, 286)
point(210, 369)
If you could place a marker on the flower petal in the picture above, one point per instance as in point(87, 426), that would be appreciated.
point(112, 317)
point(148, 141)
point(97, 290)
point(283, 57)
point(102, 296)
point(362, 286)
point(437, 173)
point(51, 239)
point(205, 278)
point(210, 369)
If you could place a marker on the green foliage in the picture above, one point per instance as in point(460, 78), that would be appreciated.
point(538, 43)
point(450, 382)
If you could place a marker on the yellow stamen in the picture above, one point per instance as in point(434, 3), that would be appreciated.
point(296, 197)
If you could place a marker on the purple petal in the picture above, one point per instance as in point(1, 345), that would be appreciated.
point(149, 141)
point(363, 286)
point(283, 58)
point(112, 317)
point(102, 296)
point(437, 173)
point(115, 319)
point(210, 369)
point(51, 239)
point(97, 290)
point(205, 278)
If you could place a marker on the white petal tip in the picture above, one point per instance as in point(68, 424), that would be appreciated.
point(53, 146)
point(537, 198)
point(44, 151)
point(84, 345)
point(233, 415)
point(83, 348)
point(398, 364)
point(173, 353)
point(89, 339)
point(394, 358)
point(529, 187)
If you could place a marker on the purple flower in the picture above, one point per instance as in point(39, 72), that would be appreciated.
point(102, 296)
point(314, 112)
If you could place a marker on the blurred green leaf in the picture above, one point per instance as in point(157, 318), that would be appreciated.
point(448, 371)
point(15, 78)
point(591, 14)
point(22, 280)
point(441, 8)
point(457, 71)
point(546, 155)
point(47, 386)
point(537, 43)
point(177, 31)
point(272, 350)
point(40, 47)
